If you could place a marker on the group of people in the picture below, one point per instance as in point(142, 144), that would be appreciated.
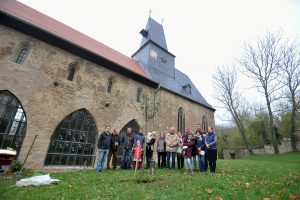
point(197, 151)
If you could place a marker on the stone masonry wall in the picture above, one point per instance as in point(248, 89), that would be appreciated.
point(48, 97)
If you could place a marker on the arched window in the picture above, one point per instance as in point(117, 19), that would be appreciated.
point(13, 122)
point(109, 85)
point(73, 142)
point(71, 73)
point(204, 123)
point(22, 56)
point(138, 94)
point(181, 121)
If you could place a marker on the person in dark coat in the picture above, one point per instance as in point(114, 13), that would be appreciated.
point(211, 149)
point(149, 148)
point(189, 142)
point(104, 143)
point(127, 146)
point(200, 143)
point(113, 150)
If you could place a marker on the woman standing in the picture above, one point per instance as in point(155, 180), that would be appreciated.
point(149, 147)
point(189, 142)
point(180, 158)
point(200, 143)
point(161, 151)
point(211, 149)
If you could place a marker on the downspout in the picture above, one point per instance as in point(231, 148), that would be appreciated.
point(154, 104)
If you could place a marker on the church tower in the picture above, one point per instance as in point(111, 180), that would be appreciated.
point(153, 54)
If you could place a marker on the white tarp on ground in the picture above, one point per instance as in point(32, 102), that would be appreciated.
point(36, 181)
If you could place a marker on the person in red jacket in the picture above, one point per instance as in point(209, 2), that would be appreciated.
point(138, 155)
point(189, 142)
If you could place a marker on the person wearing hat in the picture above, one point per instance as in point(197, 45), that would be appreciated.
point(149, 147)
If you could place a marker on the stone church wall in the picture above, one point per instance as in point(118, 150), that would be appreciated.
point(47, 97)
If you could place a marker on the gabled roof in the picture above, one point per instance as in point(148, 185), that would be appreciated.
point(42, 21)
point(29, 21)
point(177, 85)
point(154, 32)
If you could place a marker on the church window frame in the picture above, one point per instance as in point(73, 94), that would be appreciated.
point(22, 56)
point(181, 120)
point(109, 84)
point(139, 95)
point(73, 142)
point(13, 121)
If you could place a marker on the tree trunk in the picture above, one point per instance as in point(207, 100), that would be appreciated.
point(241, 127)
point(293, 129)
point(271, 123)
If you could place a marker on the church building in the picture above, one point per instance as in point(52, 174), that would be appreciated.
point(65, 87)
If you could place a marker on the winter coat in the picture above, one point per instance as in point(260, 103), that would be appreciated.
point(171, 142)
point(127, 141)
point(161, 145)
point(190, 144)
point(211, 140)
point(114, 147)
point(139, 137)
point(104, 141)
point(200, 142)
point(149, 147)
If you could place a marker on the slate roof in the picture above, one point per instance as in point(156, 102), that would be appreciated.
point(156, 34)
point(177, 85)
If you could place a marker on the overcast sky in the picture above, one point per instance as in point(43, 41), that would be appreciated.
point(201, 34)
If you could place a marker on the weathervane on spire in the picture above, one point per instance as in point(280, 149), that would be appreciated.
point(162, 21)
point(150, 11)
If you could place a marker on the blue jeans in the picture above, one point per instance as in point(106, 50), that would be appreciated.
point(126, 158)
point(201, 159)
point(169, 154)
point(188, 163)
point(101, 159)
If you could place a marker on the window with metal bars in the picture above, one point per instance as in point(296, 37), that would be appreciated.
point(22, 56)
point(73, 142)
point(13, 122)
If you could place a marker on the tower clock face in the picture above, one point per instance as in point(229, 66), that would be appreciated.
point(153, 54)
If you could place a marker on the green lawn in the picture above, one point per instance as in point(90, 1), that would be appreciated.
point(255, 177)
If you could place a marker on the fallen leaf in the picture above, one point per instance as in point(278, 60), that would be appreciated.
point(209, 191)
point(219, 197)
point(247, 184)
point(266, 199)
point(294, 196)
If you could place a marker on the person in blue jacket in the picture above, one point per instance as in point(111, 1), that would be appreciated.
point(211, 149)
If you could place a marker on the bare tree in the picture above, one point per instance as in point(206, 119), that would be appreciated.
point(260, 62)
point(290, 74)
point(225, 79)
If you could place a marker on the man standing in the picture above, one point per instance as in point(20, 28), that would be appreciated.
point(171, 147)
point(127, 146)
point(104, 143)
point(113, 150)
point(139, 137)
